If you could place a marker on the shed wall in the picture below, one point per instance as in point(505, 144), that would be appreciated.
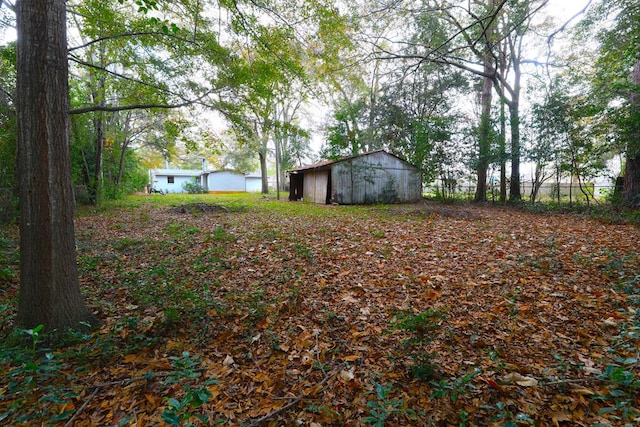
point(375, 178)
point(316, 184)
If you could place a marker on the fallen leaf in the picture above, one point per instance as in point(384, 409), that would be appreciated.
point(347, 375)
point(583, 391)
point(491, 383)
point(228, 361)
point(519, 379)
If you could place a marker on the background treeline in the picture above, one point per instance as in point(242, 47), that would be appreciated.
point(468, 91)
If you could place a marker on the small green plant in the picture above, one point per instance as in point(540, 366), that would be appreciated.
point(33, 381)
point(454, 387)
point(220, 234)
point(423, 325)
point(378, 234)
point(34, 335)
point(178, 412)
point(624, 387)
point(302, 251)
point(257, 303)
point(171, 317)
point(464, 419)
point(423, 328)
point(381, 408)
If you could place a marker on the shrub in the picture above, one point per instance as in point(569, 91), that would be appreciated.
point(193, 188)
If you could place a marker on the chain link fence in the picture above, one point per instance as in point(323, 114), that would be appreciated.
point(548, 192)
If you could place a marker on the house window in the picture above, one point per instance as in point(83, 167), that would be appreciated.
point(170, 180)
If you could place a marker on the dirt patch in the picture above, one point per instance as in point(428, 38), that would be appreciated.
point(189, 208)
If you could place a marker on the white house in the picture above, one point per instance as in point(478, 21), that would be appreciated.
point(225, 181)
point(173, 180)
point(228, 181)
point(222, 181)
point(253, 182)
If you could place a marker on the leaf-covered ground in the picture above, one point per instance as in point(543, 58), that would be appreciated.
point(248, 311)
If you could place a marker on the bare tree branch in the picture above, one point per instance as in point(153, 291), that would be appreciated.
point(564, 26)
point(187, 102)
point(106, 108)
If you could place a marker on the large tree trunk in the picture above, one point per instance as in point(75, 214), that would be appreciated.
point(49, 286)
point(484, 137)
point(631, 189)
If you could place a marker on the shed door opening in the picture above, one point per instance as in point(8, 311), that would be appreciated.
point(297, 186)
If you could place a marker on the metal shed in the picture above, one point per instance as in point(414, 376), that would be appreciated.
point(375, 177)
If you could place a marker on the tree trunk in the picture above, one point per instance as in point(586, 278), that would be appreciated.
point(631, 188)
point(278, 160)
point(96, 182)
point(514, 113)
point(49, 285)
point(503, 154)
point(503, 129)
point(124, 146)
point(514, 116)
point(484, 137)
point(263, 172)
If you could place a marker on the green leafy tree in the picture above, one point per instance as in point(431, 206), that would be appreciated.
point(484, 38)
point(550, 128)
point(568, 134)
point(617, 83)
point(345, 134)
point(415, 116)
point(264, 82)
point(111, 73)
point(290, 139)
